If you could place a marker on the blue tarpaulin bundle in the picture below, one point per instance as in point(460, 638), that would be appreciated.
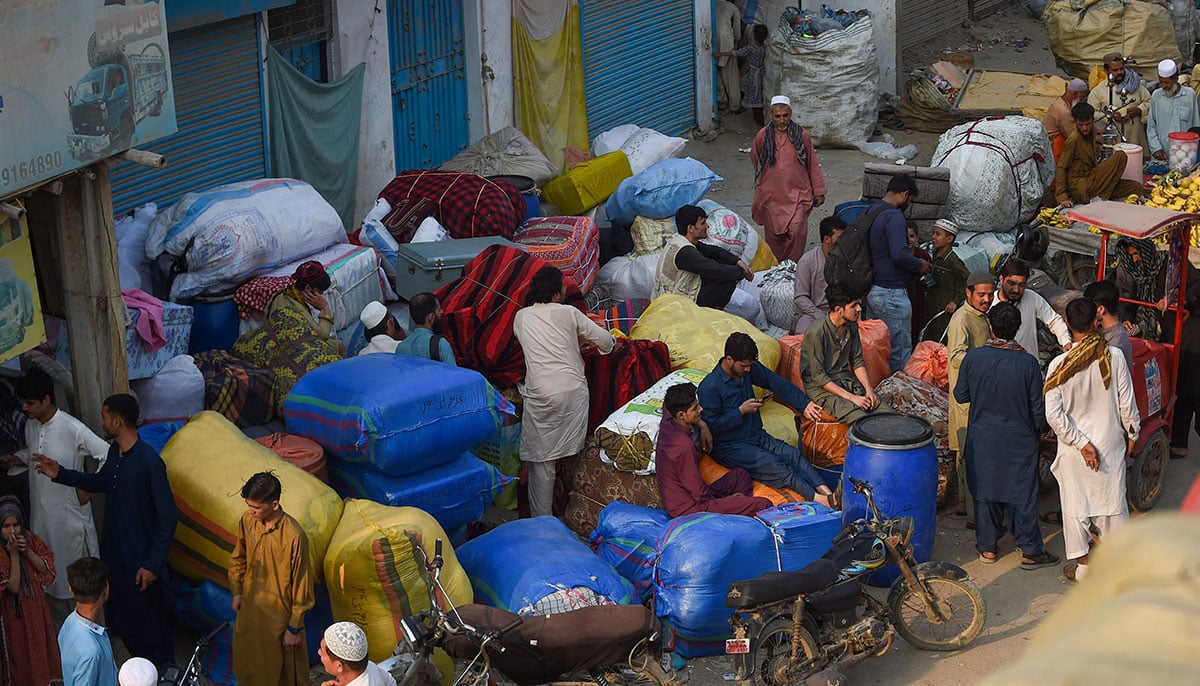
point(532, 566)
point(625, 537)
point(396, 413)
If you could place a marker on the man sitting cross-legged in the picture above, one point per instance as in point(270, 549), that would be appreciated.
point(831, 361)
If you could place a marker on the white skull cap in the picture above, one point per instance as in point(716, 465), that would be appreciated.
point(138, 671)
point(1167, 69)
point(347, 641)
point(373, 314)
point(781, 100)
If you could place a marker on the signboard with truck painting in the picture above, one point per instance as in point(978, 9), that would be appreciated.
point(21, 325)
point(82, 80)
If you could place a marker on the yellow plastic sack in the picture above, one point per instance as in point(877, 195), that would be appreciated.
point(208, 461)
point(779, 421)
point(375, 575)
point(764, 258)
point(588, 184)
point(696, 335)
point(1082, 32)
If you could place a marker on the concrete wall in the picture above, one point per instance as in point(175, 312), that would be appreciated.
point(362, 36)
point(706, 100)
point(489, 65)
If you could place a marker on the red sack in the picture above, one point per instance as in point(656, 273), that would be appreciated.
point(479, 308)
point(468, 205)
point(620, 376)
point(789, 358)
point(929, 364)
point(877, 348)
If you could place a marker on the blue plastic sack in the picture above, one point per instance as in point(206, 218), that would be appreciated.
point(157, 434)
point(700, 555)
point(201, 607)
point(625, 536)
point(661, 190)
point(397, 413)
point(455, 493)
point(519, 564)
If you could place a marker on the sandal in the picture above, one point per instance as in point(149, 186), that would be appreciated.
point(1054, 518)
point(1069, 572)
point(1037, 561)
point(971, 524)
point(983, 557)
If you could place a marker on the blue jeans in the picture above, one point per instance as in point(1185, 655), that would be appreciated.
point(895, 309)
point(772, 462)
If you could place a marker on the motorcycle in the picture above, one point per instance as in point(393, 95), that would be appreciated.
point(789, 625)
point(591, 645)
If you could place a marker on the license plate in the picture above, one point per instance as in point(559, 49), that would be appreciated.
point(737, 646)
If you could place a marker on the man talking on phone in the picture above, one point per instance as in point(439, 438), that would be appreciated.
point(831, 361)
point(731, 412)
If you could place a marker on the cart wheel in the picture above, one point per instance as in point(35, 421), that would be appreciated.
point(1080, 271)
point(1144, 485)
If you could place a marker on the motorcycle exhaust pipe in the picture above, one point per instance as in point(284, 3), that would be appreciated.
point(847, 663)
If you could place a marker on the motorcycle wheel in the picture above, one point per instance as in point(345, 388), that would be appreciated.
point(771, 660)
point(959, 602)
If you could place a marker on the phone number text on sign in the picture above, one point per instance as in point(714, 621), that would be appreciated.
point(34, 167)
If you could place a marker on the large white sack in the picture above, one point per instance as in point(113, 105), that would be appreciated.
point(832, 80)
point(999, 171)
point(232, 233)
point(173, 394)
point(613, 139)
point(506, 151)
point(630, 278)
point(647, 146)
point(131, 233)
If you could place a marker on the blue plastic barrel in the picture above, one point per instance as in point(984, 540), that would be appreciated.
point(533, 207)
point(849, 211)
point(215, 326)
point(895, 454)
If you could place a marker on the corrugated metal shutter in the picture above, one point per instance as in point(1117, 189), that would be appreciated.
point(986, 8)
point(924, 20)
point(216, 74)
point(430, 115)
point(639, 64)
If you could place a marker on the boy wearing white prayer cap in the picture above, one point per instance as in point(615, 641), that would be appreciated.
point(343, 653)
point(380, 328)
point(137, 671)
point(1172, 109)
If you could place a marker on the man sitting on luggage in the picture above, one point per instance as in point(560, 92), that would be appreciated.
point(425, 339)
point(677, 463)
point(380, 328)
point(731, 411)
point(1080, 177)
point(831, 361)
point(699, 271)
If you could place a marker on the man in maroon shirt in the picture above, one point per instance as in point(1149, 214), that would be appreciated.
point(677, 464)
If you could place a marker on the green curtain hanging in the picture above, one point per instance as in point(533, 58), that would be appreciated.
point(314, 131)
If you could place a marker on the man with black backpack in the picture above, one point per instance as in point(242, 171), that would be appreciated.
point(894, 264)
point(425, 339)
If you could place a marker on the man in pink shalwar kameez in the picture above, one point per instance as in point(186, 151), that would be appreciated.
point(788, 181)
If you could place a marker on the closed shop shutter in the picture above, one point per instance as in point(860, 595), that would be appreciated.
point(925, 20)
point(986, 8)
point(639, 64)
point(216, 74)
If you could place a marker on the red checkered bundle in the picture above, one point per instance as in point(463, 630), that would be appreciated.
point(570, 243)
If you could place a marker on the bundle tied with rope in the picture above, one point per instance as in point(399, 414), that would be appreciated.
point(1000, 168)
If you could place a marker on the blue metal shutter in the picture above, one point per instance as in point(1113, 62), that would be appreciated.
point(431, 119)
point(639, 64)
point(216, 74)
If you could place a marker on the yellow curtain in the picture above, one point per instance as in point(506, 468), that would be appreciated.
point(548, 77)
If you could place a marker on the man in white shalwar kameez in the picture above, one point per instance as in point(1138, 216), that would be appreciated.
point(1091, 408)
point(59, 514)
point(554, 419)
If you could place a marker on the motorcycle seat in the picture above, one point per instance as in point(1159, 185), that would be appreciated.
point(775, 586)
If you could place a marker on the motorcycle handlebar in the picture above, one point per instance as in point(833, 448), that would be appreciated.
point(509, 627)
point(859, 485)
point(849, 529)
point(212, 635)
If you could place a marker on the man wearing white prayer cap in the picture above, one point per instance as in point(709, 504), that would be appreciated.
point(788, 182)
point(380, 328)
point(137, 671)
point(1172, 109)
point(1058, 120)
point(343, 653)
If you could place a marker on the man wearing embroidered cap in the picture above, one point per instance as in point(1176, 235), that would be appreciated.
point(343, 653)
point(1172, 109)
point(949, 276)
point(788, 182)
point(380, 328)
point(1058, 120)
point(1124, 91)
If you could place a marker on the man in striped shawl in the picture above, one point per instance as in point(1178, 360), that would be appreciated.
point(788, 182)
point(1090, 407)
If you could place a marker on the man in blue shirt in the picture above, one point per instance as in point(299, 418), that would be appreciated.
point(894, 264)
point(87, 658)
point(732, 414)
point(139, 526)
point(424, 340)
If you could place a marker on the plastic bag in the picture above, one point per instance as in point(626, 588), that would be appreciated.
point(726, 229)
point(430, 231)
point(174, 393)
point(696, 335)
point(613, 139)
point(630, 278)
point(886, 150)
point(929, 364)
point(642, 415)
point(660, 190)
point(877, 349)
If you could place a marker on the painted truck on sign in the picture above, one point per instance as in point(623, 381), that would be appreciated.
point(108, 102)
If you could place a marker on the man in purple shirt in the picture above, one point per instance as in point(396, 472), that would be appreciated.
point(894, 265)
point(677, 464)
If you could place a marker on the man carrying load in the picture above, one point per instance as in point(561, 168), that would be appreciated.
point(1080, 176)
